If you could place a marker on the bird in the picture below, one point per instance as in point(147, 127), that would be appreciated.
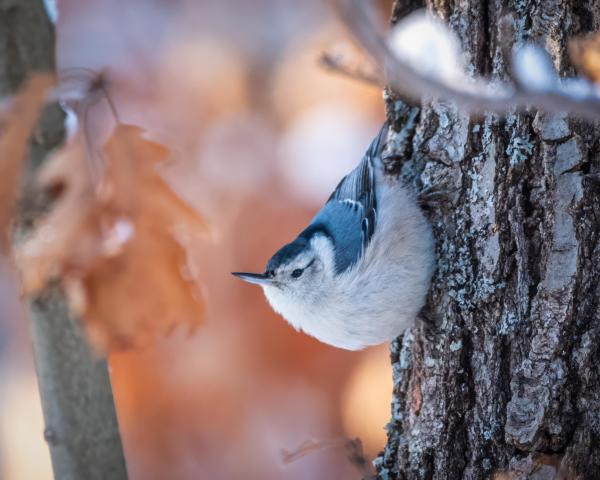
point(359, 274)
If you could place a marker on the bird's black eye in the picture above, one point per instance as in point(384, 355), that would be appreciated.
point(297, 273)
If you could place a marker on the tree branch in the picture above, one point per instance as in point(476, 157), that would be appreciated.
point(579, 98)
point(81, 424)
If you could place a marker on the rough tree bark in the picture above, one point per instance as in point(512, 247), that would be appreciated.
point(81, 424)
point(508, 378)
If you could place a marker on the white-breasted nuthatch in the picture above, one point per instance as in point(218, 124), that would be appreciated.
point(359, 274)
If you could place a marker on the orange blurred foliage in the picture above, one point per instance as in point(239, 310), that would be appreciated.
point(298, 84)
point(585, 53)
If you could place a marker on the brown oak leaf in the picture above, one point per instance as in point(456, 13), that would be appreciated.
point(119, 238)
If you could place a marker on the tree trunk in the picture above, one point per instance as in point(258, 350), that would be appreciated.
point(508, 377)
point(81, 424)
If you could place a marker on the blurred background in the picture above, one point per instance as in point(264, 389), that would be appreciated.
point(262, 135)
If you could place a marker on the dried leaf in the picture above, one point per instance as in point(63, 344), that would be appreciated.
point(69, 239)
point(120, 243)
point(16, 126)
point(585, 53)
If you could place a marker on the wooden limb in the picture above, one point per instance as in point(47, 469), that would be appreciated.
point(81, 423)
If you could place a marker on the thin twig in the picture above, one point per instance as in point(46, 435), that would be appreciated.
point(95, 89)
point(337, 64)
point(352, 445)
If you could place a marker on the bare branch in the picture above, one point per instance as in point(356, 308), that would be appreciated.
point(352, 445)
point(578, 96)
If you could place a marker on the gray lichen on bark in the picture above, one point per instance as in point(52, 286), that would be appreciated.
point(508, 378)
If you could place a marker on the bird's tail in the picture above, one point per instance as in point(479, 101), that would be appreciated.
point(375, 151)
point(380, 141)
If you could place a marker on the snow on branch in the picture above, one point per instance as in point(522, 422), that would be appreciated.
point(422, 57)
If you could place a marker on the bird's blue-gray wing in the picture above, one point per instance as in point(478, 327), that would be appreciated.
point(350, 214)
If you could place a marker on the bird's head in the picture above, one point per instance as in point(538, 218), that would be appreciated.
point(298, 272)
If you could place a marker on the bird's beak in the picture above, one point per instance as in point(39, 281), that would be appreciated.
point(258, 278)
